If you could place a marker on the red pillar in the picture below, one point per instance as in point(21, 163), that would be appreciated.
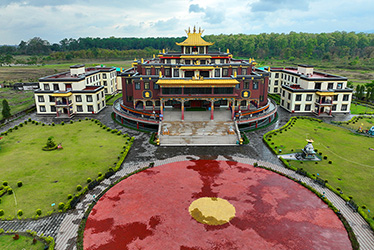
point(137, 125)
point(212, 110)
point(232, 110)
point(121, 120)
point(256, 124)
point(114, 114)
point(269, 119)
point(182, 108)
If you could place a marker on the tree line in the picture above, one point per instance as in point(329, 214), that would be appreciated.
point(264, 46)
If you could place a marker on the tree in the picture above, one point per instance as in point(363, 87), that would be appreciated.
point(6, 109)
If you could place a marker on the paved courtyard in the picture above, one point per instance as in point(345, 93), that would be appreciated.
point(64, 226)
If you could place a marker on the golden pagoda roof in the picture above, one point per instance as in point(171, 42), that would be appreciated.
point(321, 93)
point(194, 39)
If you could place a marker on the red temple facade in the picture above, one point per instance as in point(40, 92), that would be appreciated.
point(193, 78)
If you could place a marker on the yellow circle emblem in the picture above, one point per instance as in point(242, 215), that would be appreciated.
point(212, 211)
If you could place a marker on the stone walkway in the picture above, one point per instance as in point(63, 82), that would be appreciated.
point(64, 226)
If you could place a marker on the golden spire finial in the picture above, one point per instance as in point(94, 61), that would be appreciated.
point(228, 51)
point(194, 29)
point(160, 74)
point(142, 60)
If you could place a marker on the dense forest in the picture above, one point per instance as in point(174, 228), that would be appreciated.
point(324, 46)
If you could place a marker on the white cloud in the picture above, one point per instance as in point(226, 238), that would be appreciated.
point(55, 20)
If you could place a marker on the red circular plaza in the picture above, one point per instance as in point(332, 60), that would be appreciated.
point(149, 210)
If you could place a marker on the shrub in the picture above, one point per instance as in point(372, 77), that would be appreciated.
point(79, 188)
point(1, 212)
point(16, 236)
point(5, 183)
point(71, 121)
point(86, 118)
point(70, 196)
point(325, 157)
point(99, 174)
point(119, 133)
point(10, 191)
point(316, 162)
point(61, 205)
point(33, 122)
point(330, 162)
point(79, 120)
point(53, 123)
point(43, 124)
point(363, 207)
point(38, 211)
point(19, 184)
point(20, 213)
point(108, 129)
point(62, 123)
point(89, 180)
point(29, 119)
point(16, 127)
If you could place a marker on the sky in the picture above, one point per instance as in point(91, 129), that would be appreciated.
point(54, 20)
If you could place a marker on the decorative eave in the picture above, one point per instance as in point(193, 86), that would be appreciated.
point(196, 67)
point(196, 56)
point(62, 94)
point(198, 82)
point(326, 93)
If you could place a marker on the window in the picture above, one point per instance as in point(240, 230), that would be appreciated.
point(89, 98)
point(105, 83)
point(98, 96)
point(178, 61)
point(168, 61)
point(157, 72)
point(282, 102)
point(234, 71)
point(90, 108)
point(42, 108)
point(55, 86)
point(276, 75)
point(102, 102)
point(102, 94)
point(244, 71)
point(309, 97)
point(330, 85)
point(246, 85)
point(171, 91)
point(167, 72)
point(276, 82)
point(79, 108)
point(217, 73)
point(148, 72)
point(187, 61)
point(53, 108)
point(155, 86)
point(308, 107)
point(243, 103)
point(237, 86)
point(176, 72)
point(298, 98)
point(222, 61)
point(146, 85)
point(98, 106)
point(288, 105)
point(340, 85)
point(149, 103)
point(157, 103)
point(297, 107)
point(275, 90)
point(335, 97)
point(333, 107)
point(255, 85)
point(137, 85)
point(104, 76)
point(225, 72)
point(283, 93)
point(40, 98)
point(317, 85)
point(289, 96)
point(130, 98)
point(52, 99)
point(223, 90)
point(345, 97)
point(46, 86)
point(202, 62)
point(344, 107)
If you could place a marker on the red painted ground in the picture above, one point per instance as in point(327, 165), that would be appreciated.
point(149, 210)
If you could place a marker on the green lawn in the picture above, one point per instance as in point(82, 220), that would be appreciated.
point(352, 167)
point(364, 122)
point(49, 176)
point(18, 100)
point(24, 242)
point(113, 99)
point(359, 109)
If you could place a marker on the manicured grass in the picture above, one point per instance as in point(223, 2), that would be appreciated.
point(360, 109)
point(24, 242)
point(18, 100)
point(113, 99)
point(49, 176)
point(365, 122)
point(352, 167)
